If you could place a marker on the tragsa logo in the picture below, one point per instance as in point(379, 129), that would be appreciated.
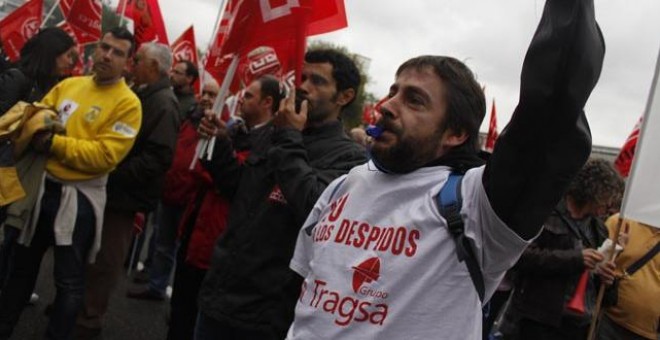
point(367, 272)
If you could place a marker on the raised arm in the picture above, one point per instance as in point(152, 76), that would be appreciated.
point(548, 139)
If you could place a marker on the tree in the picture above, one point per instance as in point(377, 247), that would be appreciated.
point(352, 115)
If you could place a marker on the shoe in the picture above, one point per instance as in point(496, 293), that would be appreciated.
point(144, 293)
point(141, 277)
point(86, 333)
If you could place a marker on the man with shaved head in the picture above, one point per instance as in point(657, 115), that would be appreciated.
point(135, 186)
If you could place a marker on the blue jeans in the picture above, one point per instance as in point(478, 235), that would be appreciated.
point(162, 262)
point(69, 270)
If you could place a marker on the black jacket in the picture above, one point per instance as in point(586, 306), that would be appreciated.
point(136, 184)
point(548, 271)
point(16, 86)
point(249, 283)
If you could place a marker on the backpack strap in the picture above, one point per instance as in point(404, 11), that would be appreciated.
point(450, 202)
point(642, 261)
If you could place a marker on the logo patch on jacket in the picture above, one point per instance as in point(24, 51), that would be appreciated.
point(66, 108)
point(276, 195)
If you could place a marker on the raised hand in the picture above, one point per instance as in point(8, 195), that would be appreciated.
point(288, 117)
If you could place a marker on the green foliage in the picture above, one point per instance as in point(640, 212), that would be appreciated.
point(352, 115)
point(110, 18)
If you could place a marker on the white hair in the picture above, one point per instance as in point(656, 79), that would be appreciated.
point(211, 81)
point(161, 53)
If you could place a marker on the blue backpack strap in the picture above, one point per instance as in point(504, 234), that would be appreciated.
point(450, 202)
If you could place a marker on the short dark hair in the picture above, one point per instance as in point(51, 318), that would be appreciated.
point(270, 87)
point(344, 70)
point(191, 69)
point(122, 33)
point(466, 103)
point(597, 182)
point(39, 55)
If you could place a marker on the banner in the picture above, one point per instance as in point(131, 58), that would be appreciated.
point(641, 201)
point(19, 26)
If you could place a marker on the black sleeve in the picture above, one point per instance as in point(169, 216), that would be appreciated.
point(301, 184)
point(224, 168)
point(550, 262)
point(14, 86)
point(547, 140)
point(156, 148)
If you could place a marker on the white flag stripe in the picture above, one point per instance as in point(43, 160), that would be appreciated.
point(641, 201)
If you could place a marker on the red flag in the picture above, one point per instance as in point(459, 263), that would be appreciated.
point(84, 16)
point(623, 161)
point(65, 7)
point(148, 21)
point(268, 38)
point(19, 26)
point(491, 138)
point(327, 16)
point(216, 64)
point(124, 7)
point(184, 48)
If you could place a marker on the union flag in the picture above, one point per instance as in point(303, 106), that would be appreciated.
point(19, 26)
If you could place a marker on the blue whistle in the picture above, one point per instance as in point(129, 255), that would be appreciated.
point(374, 131)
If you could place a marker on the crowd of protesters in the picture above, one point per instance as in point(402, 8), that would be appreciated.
point(289, 228)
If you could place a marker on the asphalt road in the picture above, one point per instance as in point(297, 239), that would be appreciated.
point(127, 319)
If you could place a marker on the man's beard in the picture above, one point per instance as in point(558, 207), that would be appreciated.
point(406, 155)
point(317, 111)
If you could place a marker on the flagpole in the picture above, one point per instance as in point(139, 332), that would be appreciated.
point(221, 12)
point(595, 318)
point(208, 145)
point(50, 13)
point(217, 21)
point(220, 99)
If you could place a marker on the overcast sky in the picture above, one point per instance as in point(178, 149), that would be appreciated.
point(491, 37)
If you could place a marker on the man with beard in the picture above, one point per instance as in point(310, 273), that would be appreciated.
point(183, 76)
point(249, 291)
point(102, 118)
point(379, 260)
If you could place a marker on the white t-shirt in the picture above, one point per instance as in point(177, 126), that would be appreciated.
point(379, 262)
